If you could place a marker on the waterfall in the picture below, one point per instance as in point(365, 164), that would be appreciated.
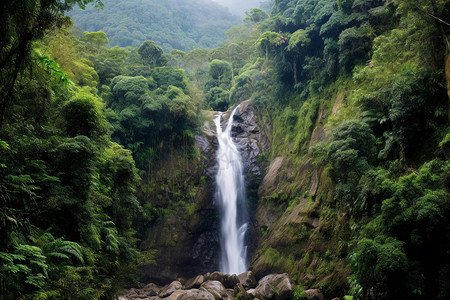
point(231, 198)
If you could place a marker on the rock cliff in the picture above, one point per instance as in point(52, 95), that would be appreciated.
point(187, 234)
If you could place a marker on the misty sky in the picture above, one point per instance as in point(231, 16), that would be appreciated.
point(238, 7)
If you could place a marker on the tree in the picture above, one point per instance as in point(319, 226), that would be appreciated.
point(268, 41)
point(83, 116)
point(256, 15)
point(98, 39)
point(152, 54)
point(298, 43)
point(220, 70)
point(218, 98)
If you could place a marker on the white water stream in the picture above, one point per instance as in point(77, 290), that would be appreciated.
point(231, 197)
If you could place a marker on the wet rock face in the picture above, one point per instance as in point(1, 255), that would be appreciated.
point(247, 134)
point(250, 139)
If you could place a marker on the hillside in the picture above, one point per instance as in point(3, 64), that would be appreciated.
point(173, 24)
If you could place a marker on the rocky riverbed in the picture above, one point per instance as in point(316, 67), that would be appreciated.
point(215, 286)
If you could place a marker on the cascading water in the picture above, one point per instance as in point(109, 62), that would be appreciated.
point(231, 198)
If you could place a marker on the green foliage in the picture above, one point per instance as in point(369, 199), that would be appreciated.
point(299, 293)
point(98, 39)
point(380, 266)
point(411, 222)
point(151, 54)
point(22, 23)
point(51, 67)
point(368, 75)
point(166, 76)
point(351, 150)
point(23, 271)
point(220, 70)
point(67, 193)
point(218, 99)
point(83, 115)
point(256, 15)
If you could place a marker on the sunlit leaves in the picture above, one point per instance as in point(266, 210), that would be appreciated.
point(98, 39)
point(83, 115)
point(51, 67)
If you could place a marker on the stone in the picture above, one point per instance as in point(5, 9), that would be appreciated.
point(151, 289)
point(169, 289)
point(248, 136)
point(200, 294)
point(270, 181)
point(247, 279)
point(175, 295)
point(252, 292)
point(216, 288)
point(207, 244)
point(241, 293)
point(228, 281)
point(132, 293)
point(194, 282)
point(318, 135)
point(279, 286)
point(314, 294)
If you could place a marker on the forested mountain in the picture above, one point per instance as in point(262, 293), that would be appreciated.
point(107, 156)
point(172, 24)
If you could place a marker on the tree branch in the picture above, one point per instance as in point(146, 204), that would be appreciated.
point(432, 16)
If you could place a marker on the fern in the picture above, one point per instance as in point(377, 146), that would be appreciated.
point(112, 241)
point(60, 248)
point(57, 255)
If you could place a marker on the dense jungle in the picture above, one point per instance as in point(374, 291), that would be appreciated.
point(109, 150)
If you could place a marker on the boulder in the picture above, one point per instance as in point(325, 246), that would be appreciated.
point(252, 292)
point(151, 289)
point(275, 286)
point(169, 289)
point(216, 288)
point(194, 294)
point(241, 293)
point(228, 281)
point(314, 294)
point(194, 282)
point(132, 293)
point(247, 279)
point(175, 295)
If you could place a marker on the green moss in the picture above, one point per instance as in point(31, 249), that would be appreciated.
point(273, 257)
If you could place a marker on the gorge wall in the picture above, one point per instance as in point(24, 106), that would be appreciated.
point(293, 222)
point(186, 232)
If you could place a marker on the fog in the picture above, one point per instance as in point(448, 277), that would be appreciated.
point(238, 7)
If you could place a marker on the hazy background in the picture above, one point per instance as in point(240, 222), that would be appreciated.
point(238, 7)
